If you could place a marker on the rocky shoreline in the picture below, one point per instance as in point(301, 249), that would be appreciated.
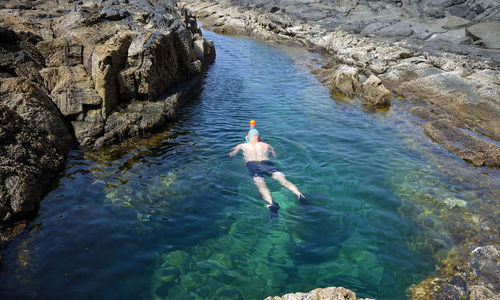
point(86, 74)
point(372, 56)
point(442, 57)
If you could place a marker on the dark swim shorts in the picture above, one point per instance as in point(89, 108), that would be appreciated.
point(259, 168)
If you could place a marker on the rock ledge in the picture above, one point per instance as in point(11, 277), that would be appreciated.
point(329, 293)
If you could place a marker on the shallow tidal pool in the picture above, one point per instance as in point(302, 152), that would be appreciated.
point(173, 216)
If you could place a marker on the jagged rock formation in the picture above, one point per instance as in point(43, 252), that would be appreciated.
point(442, 52)
point(34, 137)
point(97, 55)
point(90, 73)
point(329, 293)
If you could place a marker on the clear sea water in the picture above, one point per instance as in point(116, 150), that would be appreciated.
point(172, 216)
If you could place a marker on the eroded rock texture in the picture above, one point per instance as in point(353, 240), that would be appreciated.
point(34, 137)
point(473, 272)
point(329, 293)
point(96, 55)
point(28, 160)
point(90, 73)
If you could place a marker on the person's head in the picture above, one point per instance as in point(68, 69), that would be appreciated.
point(252, 124)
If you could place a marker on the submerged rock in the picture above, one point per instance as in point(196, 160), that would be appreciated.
point(176, 258)
point(466, 146)
point(452, 202)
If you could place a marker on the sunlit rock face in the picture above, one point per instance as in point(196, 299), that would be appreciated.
point(94, 56)
point(91, 73)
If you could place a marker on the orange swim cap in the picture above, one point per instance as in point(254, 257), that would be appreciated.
point(252, 122)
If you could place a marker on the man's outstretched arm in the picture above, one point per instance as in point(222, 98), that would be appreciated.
point(235, 150)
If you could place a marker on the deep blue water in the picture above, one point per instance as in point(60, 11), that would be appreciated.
point(174, 217)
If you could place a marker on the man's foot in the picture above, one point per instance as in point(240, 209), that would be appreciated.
point(303, 200)
point(273, 207)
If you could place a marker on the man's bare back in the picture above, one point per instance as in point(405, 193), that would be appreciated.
point(254, 151)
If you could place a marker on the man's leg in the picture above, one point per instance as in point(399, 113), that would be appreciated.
point(264, 191)
point(280, 177)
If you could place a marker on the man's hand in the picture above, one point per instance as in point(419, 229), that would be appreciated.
point(235, 150)
point(271, 149)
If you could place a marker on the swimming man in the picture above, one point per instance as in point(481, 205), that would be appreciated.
point(256, 156)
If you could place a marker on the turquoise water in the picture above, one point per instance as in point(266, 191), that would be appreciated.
point(174, 217)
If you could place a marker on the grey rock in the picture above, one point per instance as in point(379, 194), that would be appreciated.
point(486, 264)
point(107, 60)
point(137, 117)
point(346, 80)
point(397, 30)
point(488, 34)
point(30, 101)
point(61, 52)
point(34, 137)
point(372, 28)
point(70, 89)
point(377, 67)
point(453, 22)
point(467, 98)
point(98, 55)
